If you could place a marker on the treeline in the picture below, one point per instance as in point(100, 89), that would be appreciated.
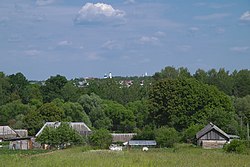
point(172, 98)
point(233, 84)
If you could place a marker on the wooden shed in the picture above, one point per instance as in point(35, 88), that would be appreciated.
point(20, 143)
point(212, 136)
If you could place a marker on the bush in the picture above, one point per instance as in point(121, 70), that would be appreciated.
point(236, 146)
point(166, 137)
point(190, 132)
point(101, 138)
point(147, 133)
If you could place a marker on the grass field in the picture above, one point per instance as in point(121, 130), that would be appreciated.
point(180, 156)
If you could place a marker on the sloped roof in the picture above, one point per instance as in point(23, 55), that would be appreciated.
point(209, 128)
point(142, 143)
point(78, 126)
point(7, 132)
point(123, 137)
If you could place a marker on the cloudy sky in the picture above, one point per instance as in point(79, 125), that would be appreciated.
point(78, 38)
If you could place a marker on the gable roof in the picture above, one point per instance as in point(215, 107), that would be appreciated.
point(78, 126)
point(209, 128)
point(7, 132)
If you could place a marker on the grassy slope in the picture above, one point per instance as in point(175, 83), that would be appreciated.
point(180, 157)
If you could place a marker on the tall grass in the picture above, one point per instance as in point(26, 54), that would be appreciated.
point(179, 156)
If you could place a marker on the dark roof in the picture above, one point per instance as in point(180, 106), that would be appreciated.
point(18, 138)
point(209, 128)
point(142, 143)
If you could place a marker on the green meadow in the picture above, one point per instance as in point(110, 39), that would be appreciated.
point(180, 156)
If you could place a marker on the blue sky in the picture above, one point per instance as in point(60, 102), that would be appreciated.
point(79, 38)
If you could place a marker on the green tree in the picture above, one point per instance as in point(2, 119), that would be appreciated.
point(122, 119)
point(4, 89)
point(70, 92)
point(53, 88)
point(181, 102)
point(140, 112)
point(241, 83)
point(201, 76)
point(74, 113)
point(61, 136)
point(33, 122)
point(100, 138)
point(189, 134)
point(166, 137)
point(167, 72)
point(10, 111)
point(50, 112)
point(32, 91)
point(147, 133)
point(93, 106)
point(18, 83)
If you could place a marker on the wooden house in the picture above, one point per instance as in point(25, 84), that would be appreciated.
point(212, 136)
point(80, 127)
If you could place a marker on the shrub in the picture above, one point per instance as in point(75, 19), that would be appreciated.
point(100, 138)
point(166, 137)
point(237, 146)
point(147, 133)
point(190, 132)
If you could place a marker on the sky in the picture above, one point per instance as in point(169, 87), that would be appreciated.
point(78, 38)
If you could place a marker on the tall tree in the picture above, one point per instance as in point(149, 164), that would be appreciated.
point(4, 89)
point(53, 88)
point(179, 103)
point(18, 83)
point(122, 119)
point(242, 83)
point(93, 106)
point(10, 111)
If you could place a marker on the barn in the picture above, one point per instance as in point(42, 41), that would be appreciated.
point(211, 136)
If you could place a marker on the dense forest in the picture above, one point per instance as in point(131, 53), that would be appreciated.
point(171, 98)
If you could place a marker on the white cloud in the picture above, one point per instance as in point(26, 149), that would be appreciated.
point(111, 44)
point(98, 13)
point(245, 16)
point(214, 16)
point(64, 43)
point(146, 39)
point(240, 48)
point(44, 2)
